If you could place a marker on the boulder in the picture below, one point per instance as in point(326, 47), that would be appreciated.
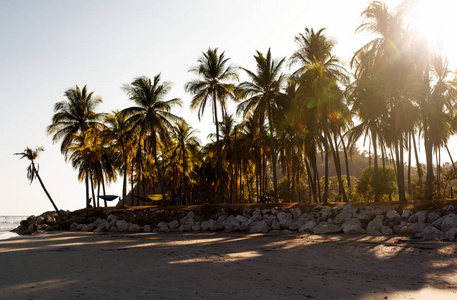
point(204, 226)
point(173, 225)
point(413, 228)
point(342, 217)
point(275, 225)
point(73, 226)
point(241, 219)
point(375, 226)
point(448, 209)
point(449, 222)
point(431, 233)
point(406, 214)
point(393, 215)
point(147, 228)
point(325, 228)
point(283, 216)
point(451, 234)
point(296, 212)
point(134, 228)
point(102, 226)
point(257, 215)
point(122, 225)
point(269, 219)
point(40, 220)
point(308, 227)
point(113, 229)
point(162, 226)
point(196, 227)
point(353, 226)
point(366, 214)
point(432, 217)
point(420, 216)
point(259, 226)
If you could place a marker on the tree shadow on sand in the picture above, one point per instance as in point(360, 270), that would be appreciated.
point(223, 265)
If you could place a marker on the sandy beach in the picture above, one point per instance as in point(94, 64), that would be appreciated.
point(75, 265)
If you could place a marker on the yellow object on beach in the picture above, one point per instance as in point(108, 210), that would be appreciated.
point(155, 197)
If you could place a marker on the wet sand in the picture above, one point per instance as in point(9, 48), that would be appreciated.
point(75, 265)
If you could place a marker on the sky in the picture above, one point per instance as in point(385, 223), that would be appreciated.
point(49, 46)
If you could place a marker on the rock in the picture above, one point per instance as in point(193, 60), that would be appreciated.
point(448, 209)
point(40, 220)
point(147, 228)
point(134, 228)
point(406, 214)
point(73, 226)
point(413, 228)
point(102, 226)
point(431, 233)
point(325, 213)
point(79, 227)
point(266, 211)
point(162, 226)
point(342, 217)
point(269, 219)
point(173, 225)
point(386, 230)
point(296, 212)
point(308, 227)
point(257, 215)
point(114, 229)
point(196, 227)
point(451, 234)
point(353, 226)
point(397, 228)
point(375, 226)
point(449, 221)
point(204, 226)
point(85, 228)
point(393, 215)
point(50, 220)
point(259, 226)
point(122, 225)
point(437, 223)
point(282, 216)
point(241, 219)
point(420, 216)
point(325, 228)
point(366, 214)
point(275, 225)
point(432, 217)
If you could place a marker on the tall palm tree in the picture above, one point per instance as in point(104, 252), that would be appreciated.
point(32, 171)
point(74, 115)
point(187, 149)
point(118, 132)
point(263, 97)
point(213, 86)
point(152, 115)
point(319, 97)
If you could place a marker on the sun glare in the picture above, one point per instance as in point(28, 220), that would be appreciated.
point(436, 20)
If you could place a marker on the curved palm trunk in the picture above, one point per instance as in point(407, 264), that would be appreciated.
point(44, 189)
point(375, 163)
point(326, 175)
point(184, 171)
point(219, 153)
point(346, 162)
point(124, 185)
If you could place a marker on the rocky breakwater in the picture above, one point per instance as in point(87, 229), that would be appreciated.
point(47, 221)
point(347, 219)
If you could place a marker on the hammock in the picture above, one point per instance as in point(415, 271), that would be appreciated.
point(108, 197)
point(150, 198)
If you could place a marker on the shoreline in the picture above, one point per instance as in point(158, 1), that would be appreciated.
point(225, 265)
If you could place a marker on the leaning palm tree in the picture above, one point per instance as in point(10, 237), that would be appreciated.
point(74, 115)
point(263, 97)
point(32, 171)
point(151, 116)
point(213, 86)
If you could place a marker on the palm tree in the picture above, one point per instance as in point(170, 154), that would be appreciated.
point(212, 87)
point(263, 93)
point(151, 116)
point(74, 115)
point(32, 171)
point(118, 132)
point(187, 149)
point(320, 98)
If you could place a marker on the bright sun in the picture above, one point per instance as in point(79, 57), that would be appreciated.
point(437, 20)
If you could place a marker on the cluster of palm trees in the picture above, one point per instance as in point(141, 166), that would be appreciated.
point(399, 96)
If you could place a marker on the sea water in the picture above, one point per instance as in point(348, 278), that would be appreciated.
point(8, 223)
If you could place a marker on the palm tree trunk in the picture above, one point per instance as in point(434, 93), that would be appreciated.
point(44, 189)
point(272, 152)
point(346, 162)
point(416, 154)
point(93, 190)
point(156, 161)
point(326, 175)
point(124, 185)
point(219, 153)
point(375, 154)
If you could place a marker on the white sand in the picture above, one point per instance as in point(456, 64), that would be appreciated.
point(69, 265)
